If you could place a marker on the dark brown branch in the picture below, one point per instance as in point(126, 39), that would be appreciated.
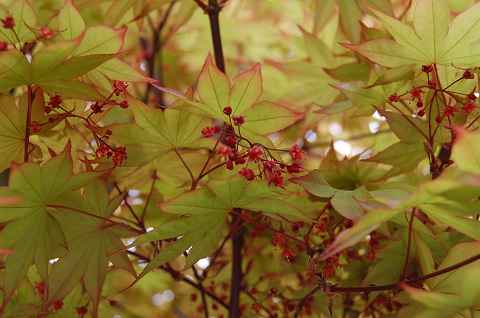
point(410, 282)
point(237, 275)
point(155, 60)
point(213, 11)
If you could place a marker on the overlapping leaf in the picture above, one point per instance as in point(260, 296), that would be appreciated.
point(242, 94)
point(33, 230)
point(432, 40)
point(90, 240)
point(157, 132)
point(203, 212)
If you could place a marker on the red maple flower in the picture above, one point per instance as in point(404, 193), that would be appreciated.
point(276, 179)
point(97, 107)
point(35, 127)
point(295, 167)
point(81, 310)
point(416, 93)
point(238, 120)
point(279, 240)
point(432, 84)
point(332, 261)
point(120, 156)
point(3, 46)
point(328, 271)
point(40, 288)
point(296, 153)
point(450, 111)
point(119, 87)
point(247, 174)
point(57, 305)
point(46, 34)
point(240, 161)
point(427, 68)
point(207, 132)
point(8, 22)
point(468, 75)
point(230, 141)
point(289, 254)
point(270, 166)
point(296, 226)
point(254, 154)
point(55, 101)
point(225, 151)
point(469, 107)
point(393, 98)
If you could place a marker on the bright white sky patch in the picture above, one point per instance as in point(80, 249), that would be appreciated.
point(157, 300)
point(373, 125)
point(204, 263)
point(335, 129)
point(342, 147)
point(311, 136)
point(376, 115)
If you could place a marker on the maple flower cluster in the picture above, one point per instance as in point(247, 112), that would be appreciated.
point(118, 154)
point(450, 110)
point(236, 152)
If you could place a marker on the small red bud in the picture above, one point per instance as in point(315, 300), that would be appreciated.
point(227, 110)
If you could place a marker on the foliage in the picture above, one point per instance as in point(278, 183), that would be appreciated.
point(322, 162)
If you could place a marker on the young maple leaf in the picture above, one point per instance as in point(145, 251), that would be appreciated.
point(242, 93)
point(40, 228)
point(432, 40)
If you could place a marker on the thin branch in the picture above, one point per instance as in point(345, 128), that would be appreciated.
point(202, 291)
point(410, 282)
point(237, 275)
point(142, 219)
point(128, 205)
point(178, 276)
point(213, 11)
point(305, 299)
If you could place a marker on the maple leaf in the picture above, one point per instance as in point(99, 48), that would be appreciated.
point(203, 213)
point(432, 40)
point(33, 230)
point(216, 92)
point(89, 240)
point(157, 132)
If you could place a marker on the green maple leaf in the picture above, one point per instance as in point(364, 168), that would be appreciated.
point(156, 132)
point(33, 230)
point(432, 40)
point(12, 136)
point(203, 214)
point(89, 240)
point(242, 94)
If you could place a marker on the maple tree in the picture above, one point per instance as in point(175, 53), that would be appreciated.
point(315, 159)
